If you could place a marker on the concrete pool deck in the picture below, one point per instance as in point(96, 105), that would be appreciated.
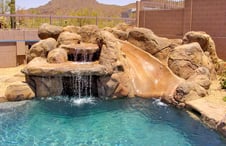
point(212, 108)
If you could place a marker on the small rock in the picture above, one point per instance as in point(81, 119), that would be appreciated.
point(71, 29)
point(19, 91)
point(221, 126)
point(89, 33)
point(41, 49)
point(68, 38)
point(57, 56)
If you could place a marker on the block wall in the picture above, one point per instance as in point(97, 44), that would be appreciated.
point(197, 15)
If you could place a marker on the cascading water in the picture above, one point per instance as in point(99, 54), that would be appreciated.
point(79, 87)
point(82, 90)
point(81, 56)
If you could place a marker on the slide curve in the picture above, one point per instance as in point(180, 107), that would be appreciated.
point(150, 78)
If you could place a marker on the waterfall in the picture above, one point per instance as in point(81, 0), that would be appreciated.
point(82, 90)
point(78, 86)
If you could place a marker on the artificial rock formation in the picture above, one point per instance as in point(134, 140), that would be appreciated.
point(185, 59)
point(117, 67)
point(57, 55)
point(145, 39)
point(123, 61)
point(41, 49)
point(104, 57)
point(120, 34)
point(49, 31)
point(205, 41)
point(71, 29)
point(18, 91)
point(118, 62)
point(68, 38)
point(221, 126)
point(88, 33)
point(188, 61)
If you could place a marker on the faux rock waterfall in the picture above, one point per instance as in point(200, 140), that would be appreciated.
point(118, 62)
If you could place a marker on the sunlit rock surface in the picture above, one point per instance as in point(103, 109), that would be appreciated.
point(205, 41)
point(41, 49)
point(123, 61)
point(49, 31)
point(18, 91)
point(185, 59)
point(145, 39)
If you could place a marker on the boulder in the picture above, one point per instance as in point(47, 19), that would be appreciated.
point(110, 51)
point(195, 86)
point(68, 38)
point(205, 41)
point(89, 33)
point(40, 67)
point(49, 31)
point(18, 91)
point(122, 35)
point(114, 86)
point(123, 27)
point(71, 29)
point(58, 55)
point(201, 92)
point(185, 59)
point(149, 42)
point(189, 90)
point(221, 126)
point(201, 77)
point(48, 86)
point(41, 49)
point(119, 83)
point(124, 88)
point(106, 86)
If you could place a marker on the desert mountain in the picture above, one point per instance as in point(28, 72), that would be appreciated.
point(69, 7)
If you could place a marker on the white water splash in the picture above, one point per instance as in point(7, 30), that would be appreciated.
point(82, 101)
point(159, 103)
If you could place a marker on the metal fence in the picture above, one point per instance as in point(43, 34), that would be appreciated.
point(34, 21)
point(161, 4)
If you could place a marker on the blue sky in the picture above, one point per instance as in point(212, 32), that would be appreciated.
point(35, 3)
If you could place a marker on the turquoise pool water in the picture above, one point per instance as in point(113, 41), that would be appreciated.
point(138, 122)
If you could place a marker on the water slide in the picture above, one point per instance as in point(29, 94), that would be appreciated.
point(149, 76)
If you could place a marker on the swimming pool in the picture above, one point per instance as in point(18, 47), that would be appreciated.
point(143, 122)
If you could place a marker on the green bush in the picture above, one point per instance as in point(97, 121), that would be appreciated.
point(223, 75)
point(223, 83)
point(224, 99)
point(223, 80)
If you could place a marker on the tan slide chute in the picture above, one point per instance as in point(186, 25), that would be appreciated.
point(150, 78)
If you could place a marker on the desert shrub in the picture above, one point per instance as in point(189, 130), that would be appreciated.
point(4, 23)
point(224, 99)
point(223, 80)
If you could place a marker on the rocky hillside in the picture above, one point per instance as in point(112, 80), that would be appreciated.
point(70, 7)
